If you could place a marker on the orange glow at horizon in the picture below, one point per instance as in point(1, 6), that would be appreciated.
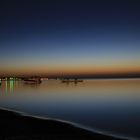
point(71, 70)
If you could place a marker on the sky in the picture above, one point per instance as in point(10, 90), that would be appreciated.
point(69, 37)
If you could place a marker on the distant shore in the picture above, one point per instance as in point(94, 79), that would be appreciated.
point(14, 126)
point(72, 76)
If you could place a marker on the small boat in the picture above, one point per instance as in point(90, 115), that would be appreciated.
point(32, 81)
point(71, 80)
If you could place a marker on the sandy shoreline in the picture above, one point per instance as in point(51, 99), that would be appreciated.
point(14, 126)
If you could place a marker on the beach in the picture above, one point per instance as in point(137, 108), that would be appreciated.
point(14, 126)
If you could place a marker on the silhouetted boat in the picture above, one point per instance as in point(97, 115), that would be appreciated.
point(32, 81)
point(71, 80)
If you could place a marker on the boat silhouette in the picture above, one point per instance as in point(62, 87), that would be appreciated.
point(32, 81)
point(71, 80)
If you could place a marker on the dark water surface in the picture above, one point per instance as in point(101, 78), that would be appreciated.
point(109, 106)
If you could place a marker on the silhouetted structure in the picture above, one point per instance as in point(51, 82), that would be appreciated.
point(75, 80)
point(32, 80)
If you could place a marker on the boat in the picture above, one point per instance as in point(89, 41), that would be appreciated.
point(71, 80)
point(32, 81)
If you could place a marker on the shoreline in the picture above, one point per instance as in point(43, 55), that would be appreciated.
point(16, 125)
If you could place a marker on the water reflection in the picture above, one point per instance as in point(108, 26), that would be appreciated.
point(8, 86)
point(34, 85)
point(112, 106)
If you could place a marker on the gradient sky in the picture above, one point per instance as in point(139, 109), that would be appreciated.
point(69, 37)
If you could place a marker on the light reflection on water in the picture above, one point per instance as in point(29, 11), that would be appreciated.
point(111, 106)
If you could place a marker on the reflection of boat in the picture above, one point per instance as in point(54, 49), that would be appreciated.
point(32, 81)
point(71, 80)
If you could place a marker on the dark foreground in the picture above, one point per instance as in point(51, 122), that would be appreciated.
point(14, 126)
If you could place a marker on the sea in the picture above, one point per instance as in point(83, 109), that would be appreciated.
point(108, 106)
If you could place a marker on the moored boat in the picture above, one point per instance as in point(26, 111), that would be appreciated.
point(71, 80)
point(32, 81)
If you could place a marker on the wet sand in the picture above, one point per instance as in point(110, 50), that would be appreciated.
point(14, 126)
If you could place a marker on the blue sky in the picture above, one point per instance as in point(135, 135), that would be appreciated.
point(57, 35)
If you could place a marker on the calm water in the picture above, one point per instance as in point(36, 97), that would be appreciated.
point(109, 106)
